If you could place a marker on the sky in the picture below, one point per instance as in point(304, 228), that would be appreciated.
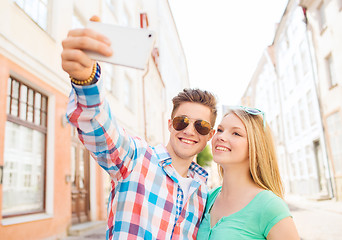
point(223, 41)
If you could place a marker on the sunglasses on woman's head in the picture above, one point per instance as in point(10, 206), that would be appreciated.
point(255, 111)
point(181, 122)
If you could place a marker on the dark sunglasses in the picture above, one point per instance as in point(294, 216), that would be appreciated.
point(181, 122)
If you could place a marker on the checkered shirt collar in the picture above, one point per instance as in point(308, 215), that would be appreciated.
point(197, 172)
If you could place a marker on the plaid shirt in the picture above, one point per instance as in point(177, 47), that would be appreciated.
point(146, 201)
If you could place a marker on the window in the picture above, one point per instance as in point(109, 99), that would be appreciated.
point(322, 16)
point(294, 120)
point(287, 38)
point(334, 125)
point(111, 2)
point(108, 75)
point(309, 99)
point(37, 10)
point(304, 54)
point(275, 95)
point(290, 79)
point(143, 20)
point(293, 165)
point(302, 114)
point(289, 129)
point(296, 69)
point(309, 160)
point(128, 95)
point(76, 21)
point(24, 155)
point(329, 63)
point(279, 129)
point(301, 164)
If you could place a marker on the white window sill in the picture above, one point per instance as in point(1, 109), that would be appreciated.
point(26, 218)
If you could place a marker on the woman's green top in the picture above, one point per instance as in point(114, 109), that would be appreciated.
point(254, 221)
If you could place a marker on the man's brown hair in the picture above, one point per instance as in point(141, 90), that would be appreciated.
point(196, 96)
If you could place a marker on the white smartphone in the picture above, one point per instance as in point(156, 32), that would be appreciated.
point(131, 46)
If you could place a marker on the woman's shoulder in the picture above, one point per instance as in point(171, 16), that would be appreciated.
point(274, 209)
point(273, 203)
point(269, 196)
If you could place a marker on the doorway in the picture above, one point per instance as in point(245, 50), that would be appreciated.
point(80, 203)
point(321, 170)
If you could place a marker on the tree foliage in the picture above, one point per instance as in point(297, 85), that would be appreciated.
point(204, 158)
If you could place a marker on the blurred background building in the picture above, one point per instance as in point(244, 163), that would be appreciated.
point(48, 182)
point(297, 82)
point(47, 179)
point(324, 25)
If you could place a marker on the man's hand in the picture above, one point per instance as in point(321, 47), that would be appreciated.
point(74, 61)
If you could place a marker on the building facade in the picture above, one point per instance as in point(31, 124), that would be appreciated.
point(324, 24)
point(263, 91)
point(289, 95)
point(47, 178)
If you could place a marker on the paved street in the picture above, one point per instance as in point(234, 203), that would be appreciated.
point(89, 231)
point(315, 220)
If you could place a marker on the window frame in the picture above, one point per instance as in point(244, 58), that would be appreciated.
point(23, 8)
point(334, 117)
point(42, 128)
point(322, 19)
point(330, 71)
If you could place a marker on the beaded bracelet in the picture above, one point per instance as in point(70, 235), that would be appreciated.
point(87, 81)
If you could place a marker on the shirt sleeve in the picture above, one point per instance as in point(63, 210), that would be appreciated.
point(113, 149)
point(274, 211)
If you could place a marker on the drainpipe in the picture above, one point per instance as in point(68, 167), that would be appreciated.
point(144, 100)
point(144, 24)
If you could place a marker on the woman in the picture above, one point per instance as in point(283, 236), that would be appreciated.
point(249, 203)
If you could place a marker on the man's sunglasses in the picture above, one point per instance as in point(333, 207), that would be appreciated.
point(181, 122)
point(255, 111)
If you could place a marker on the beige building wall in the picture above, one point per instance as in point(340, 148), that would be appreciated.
point(286, 85)
point(263, 92)
point(30, 50)
point(325, 27)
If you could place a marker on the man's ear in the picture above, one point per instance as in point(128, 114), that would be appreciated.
point(169, 125)
point(211, 134)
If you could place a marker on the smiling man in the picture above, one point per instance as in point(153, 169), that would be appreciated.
point(157, 192)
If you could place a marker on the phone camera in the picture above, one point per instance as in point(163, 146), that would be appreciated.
point(150, 35)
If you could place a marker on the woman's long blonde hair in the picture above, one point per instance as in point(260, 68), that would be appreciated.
point(263, 161)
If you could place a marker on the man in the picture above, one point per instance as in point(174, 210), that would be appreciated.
point(157, 192)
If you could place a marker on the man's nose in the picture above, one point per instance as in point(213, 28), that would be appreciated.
point(190, 129)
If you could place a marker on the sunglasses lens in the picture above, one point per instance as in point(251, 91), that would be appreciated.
point(179, 123)
point(202, 127)
point(253, 111)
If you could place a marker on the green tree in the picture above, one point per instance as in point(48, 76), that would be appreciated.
point(204, 158)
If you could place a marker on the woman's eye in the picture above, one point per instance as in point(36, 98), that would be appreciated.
point(219, 130)
point(237, 134)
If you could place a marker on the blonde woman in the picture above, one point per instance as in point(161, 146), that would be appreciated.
point(249, 204)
